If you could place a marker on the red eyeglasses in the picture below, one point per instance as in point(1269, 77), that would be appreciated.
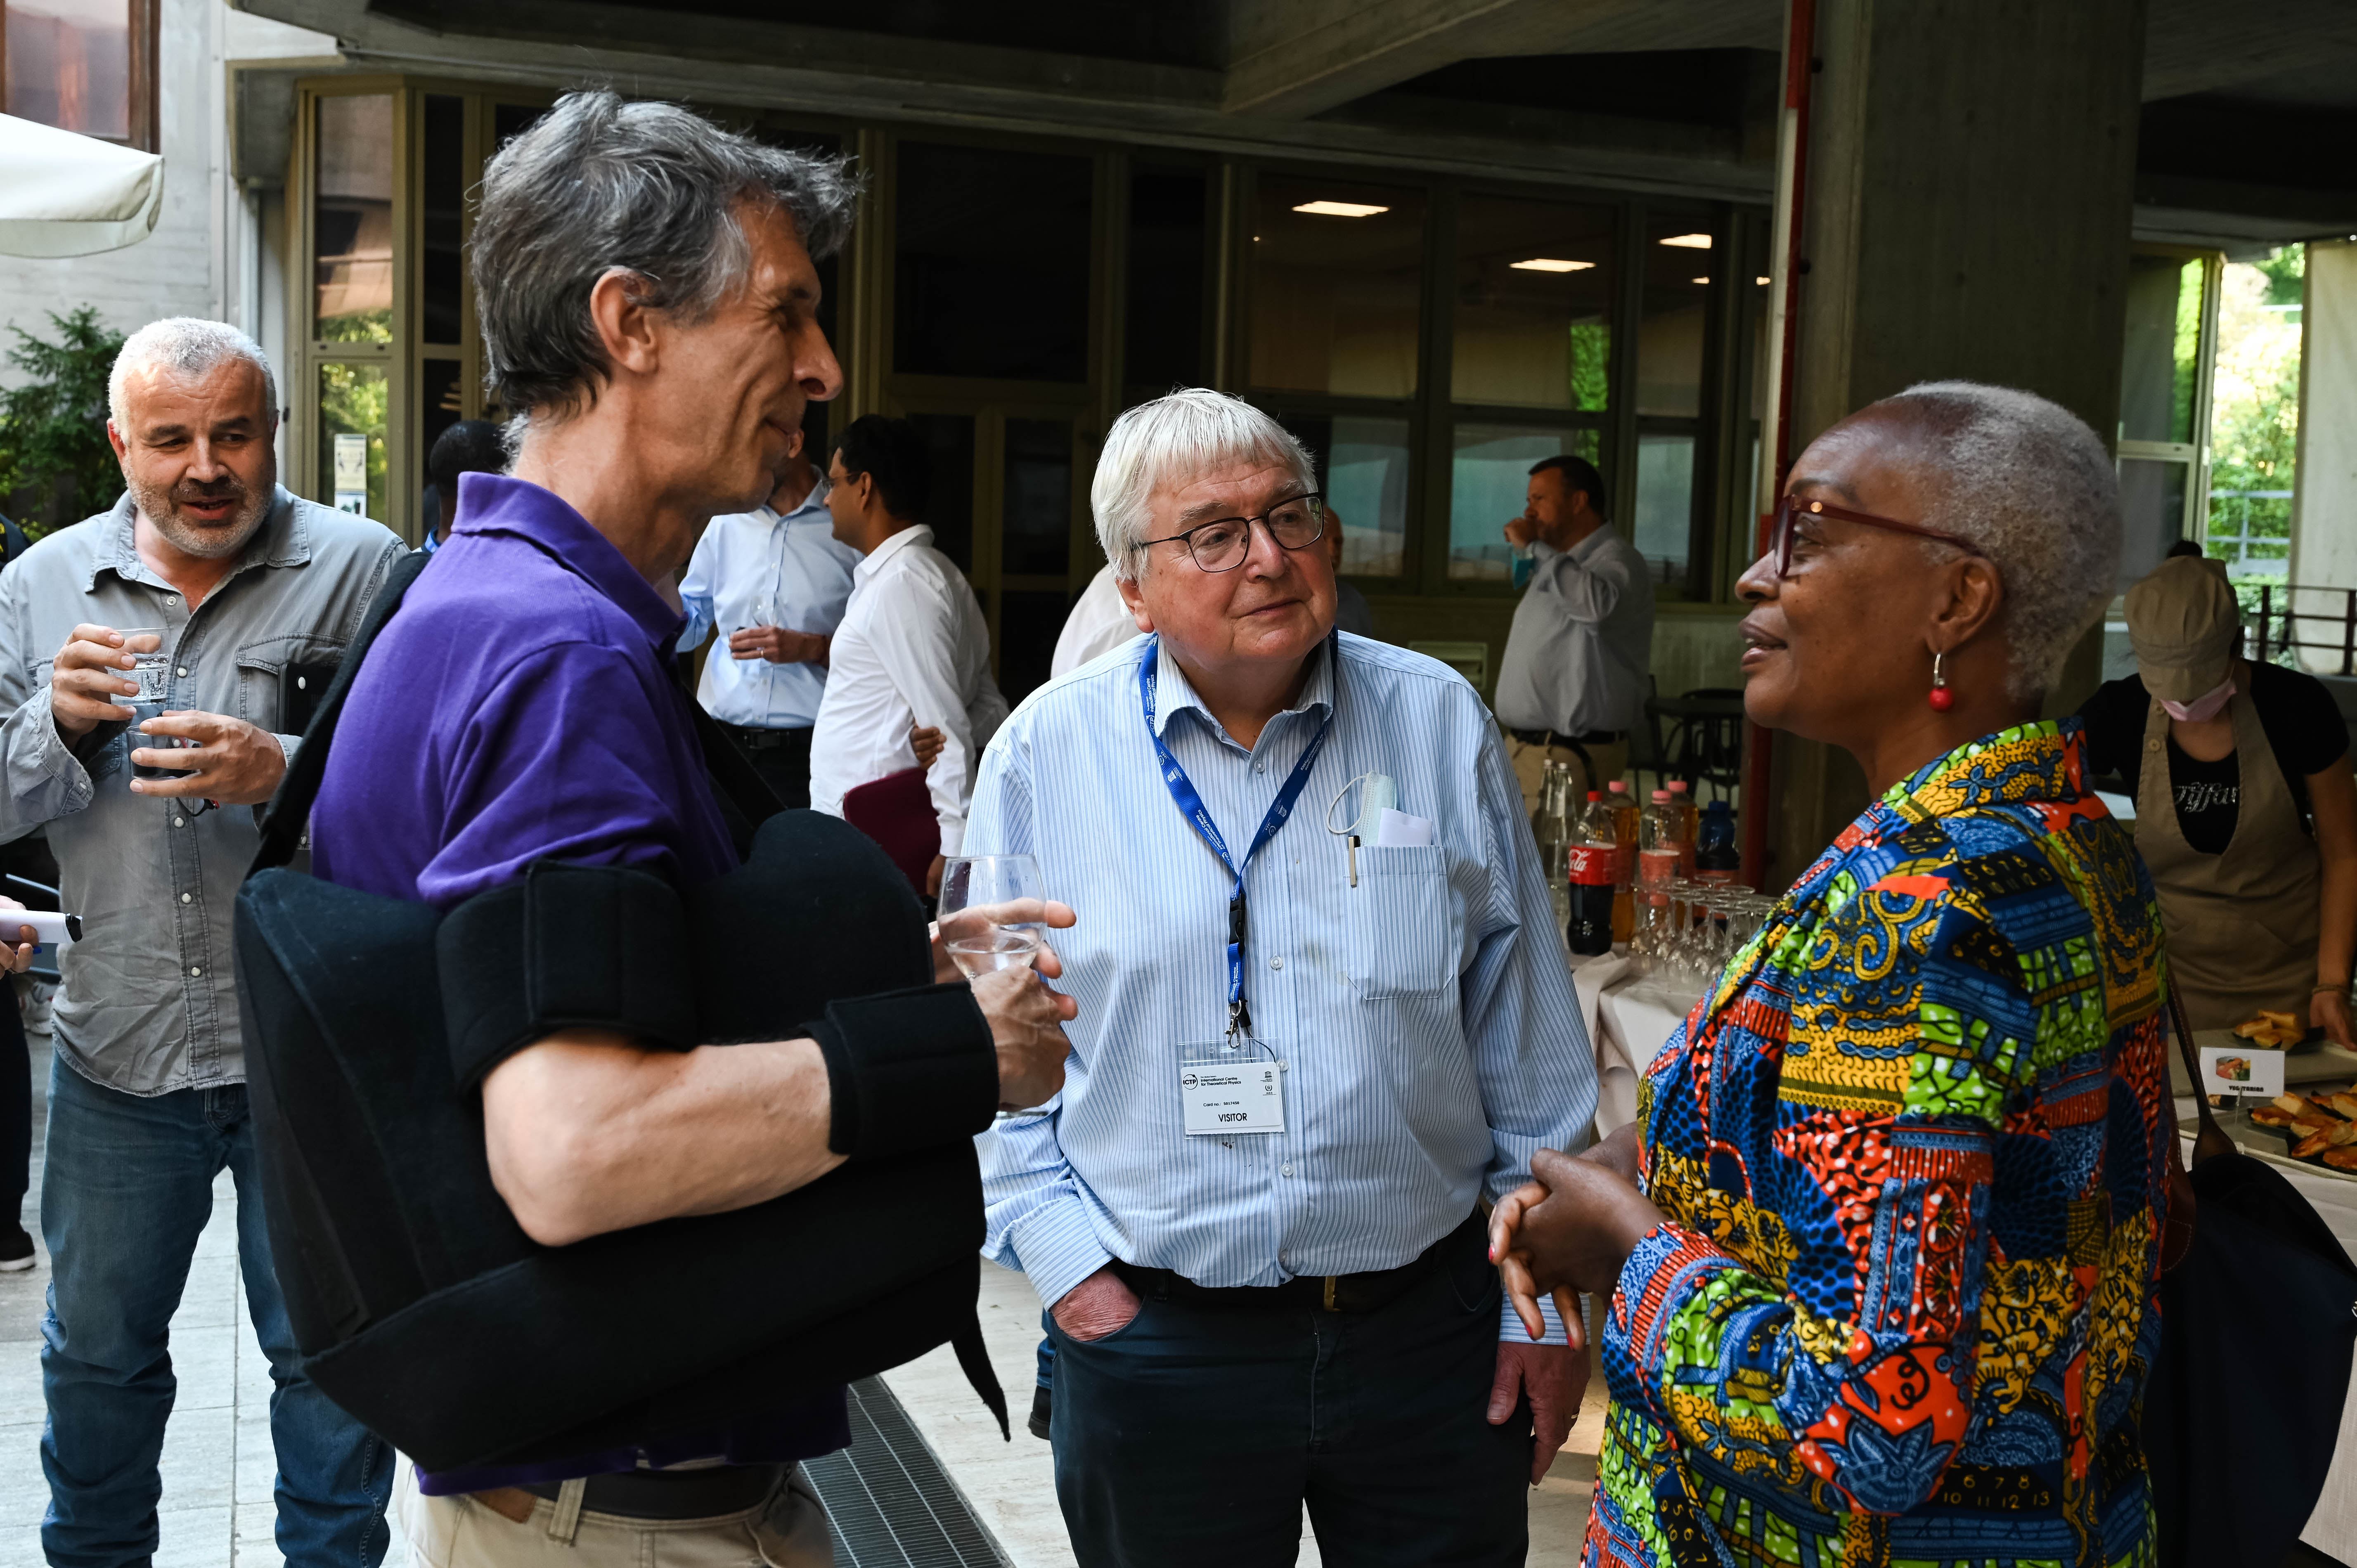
point(1791, 508)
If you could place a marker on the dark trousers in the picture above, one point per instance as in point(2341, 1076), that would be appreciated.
point(1196, 1434)
point(16, 1108)
point(782, 759)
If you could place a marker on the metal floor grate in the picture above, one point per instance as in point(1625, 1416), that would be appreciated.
point(889, 1502)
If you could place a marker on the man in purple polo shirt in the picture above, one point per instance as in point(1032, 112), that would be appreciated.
point(648, 299)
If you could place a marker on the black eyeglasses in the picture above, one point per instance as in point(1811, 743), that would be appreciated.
point(1792, 509)
point(1221, 545)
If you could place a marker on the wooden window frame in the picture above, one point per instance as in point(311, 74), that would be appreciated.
point(143, 21)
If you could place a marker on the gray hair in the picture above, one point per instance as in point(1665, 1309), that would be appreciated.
point(192, 346)
point(598, 184)
point(1186, 435)
point(2033, 489)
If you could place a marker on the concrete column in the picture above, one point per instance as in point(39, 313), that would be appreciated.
point(2324, 496)
point(1966, 213)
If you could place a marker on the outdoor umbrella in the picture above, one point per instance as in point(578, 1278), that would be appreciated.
point(67, 195)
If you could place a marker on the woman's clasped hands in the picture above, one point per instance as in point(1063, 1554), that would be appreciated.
point(1571, 1228)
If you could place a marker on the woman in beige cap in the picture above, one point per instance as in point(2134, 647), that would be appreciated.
point(2247, 812)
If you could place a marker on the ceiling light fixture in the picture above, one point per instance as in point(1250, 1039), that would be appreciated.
point(1550, 265)
point(1340, 209)
point(1691, 241)
point(1761, 281)
point(1702, 280)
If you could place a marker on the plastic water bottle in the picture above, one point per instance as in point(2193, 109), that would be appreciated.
point(1717, 859)
point(1662, 851)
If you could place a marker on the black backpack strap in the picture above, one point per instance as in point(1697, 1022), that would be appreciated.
point(290, 808)
point(743, 792)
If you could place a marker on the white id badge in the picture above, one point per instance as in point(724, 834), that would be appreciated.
point(1224, 1090)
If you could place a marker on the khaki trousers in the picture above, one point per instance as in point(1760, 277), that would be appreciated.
point(787, 1532)
point(1530, 768)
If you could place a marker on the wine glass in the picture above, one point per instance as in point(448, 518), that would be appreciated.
point(993, 911)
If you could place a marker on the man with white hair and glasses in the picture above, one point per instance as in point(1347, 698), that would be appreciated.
point(155, 662)
point(1323, 1014)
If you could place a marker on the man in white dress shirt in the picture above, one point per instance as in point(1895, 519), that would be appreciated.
point(1299, 1062)
point(776, 579)
point(912, 647)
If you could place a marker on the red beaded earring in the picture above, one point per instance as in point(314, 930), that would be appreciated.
point(1941, 698)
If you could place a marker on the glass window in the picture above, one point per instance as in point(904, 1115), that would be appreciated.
point(1036, 495)
point(2152, 509)
point(991, 264)
point(351, 220)
point(1362, 464)
point(353, 400)
point(1489, 485)
point(1162, 341)
point(69, 65)
point(1029, 625)
point(2162, 351)
point(1662, 529)
point(444, 180)
point(509, 121)
point(1337, 270)
point(1680, 256)
point(949, 442)
point(1534, 304)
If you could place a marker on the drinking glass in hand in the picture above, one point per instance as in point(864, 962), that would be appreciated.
point(993, 912)
point(152, 668)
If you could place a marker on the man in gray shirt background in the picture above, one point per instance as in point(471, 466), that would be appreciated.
point(253, 596)
point(1582, 642)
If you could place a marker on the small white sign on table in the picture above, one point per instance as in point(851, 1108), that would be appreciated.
point(2246, 1070)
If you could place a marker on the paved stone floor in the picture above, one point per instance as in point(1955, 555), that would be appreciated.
point(217, 1466)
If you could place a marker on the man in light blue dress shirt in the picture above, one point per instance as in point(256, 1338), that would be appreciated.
point(774, 581)
point(1277, 1292)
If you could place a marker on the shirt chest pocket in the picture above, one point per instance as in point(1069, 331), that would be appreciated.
point(1402, 925)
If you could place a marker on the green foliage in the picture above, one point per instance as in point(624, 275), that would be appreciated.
point(1591, 352)
point(355, 400)
point(53, 448)
point(2284, 271)
point(2187, 358)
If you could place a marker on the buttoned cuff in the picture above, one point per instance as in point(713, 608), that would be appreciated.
point(287, 743)
point(1056, 1249)
point(1512, 1331)
point(952, 834)
point(38, 754)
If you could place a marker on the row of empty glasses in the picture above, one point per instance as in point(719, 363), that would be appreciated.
point(1686, 931)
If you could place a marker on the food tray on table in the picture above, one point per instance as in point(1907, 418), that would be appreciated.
point(2318, 1119)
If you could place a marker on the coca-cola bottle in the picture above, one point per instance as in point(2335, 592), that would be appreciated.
point(1592, 859)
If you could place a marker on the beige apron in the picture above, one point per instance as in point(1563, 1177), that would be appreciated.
point(2242, 924)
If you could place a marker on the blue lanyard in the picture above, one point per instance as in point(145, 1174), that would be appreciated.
point(1190, 805)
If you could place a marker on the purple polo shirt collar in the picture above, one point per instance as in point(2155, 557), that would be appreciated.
point(494, 503)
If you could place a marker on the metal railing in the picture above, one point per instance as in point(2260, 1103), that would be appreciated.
point(2279, 621)
point(2235, 545)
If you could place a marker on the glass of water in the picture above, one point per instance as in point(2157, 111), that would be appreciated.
point(150, 666)
point(993, 912)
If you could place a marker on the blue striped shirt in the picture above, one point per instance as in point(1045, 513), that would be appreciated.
point(1425, 1018)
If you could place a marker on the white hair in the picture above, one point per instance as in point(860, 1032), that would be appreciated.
point(2032, 487)
point(192, 346)
point(1189, 433)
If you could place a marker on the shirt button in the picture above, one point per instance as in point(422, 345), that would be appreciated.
point(196, 969)
point(1276, 964)
point(179, 821)
point(184, 671)
point(188, 898)
point(171, 598)
point(1286, 1169)
point(1284, 1259)
point(1284, 1065)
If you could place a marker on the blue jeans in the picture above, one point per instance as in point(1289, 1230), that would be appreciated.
point(1196, 1434)
point(126, 1186)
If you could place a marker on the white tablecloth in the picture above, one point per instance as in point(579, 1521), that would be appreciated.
point(1629, 1020)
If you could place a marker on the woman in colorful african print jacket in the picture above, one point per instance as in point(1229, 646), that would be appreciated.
point(1881, 1249)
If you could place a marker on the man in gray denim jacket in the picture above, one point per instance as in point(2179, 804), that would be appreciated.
point(256, 594)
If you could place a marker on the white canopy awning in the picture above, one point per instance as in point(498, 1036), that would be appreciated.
point(67, 195)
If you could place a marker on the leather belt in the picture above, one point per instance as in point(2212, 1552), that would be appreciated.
point(674, 1494)
point(1550, 737)
point(754, 738)
point(1368, 1292)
